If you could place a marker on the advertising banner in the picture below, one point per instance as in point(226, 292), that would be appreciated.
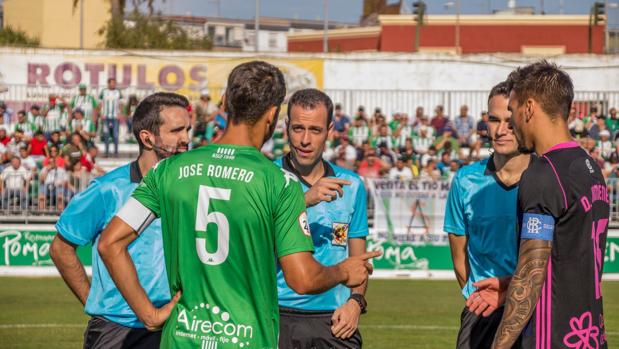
point(25, 247)
point(31, 76)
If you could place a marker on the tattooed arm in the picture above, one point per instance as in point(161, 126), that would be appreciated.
point(524, 291)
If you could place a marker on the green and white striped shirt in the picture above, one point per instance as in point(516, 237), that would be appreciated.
point(86, 103)
point(110, 102)
point(83, 124)
point(56, 119)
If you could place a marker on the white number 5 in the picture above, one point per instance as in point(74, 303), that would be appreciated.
point(203, 218)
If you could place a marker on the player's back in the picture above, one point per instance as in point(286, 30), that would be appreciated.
point(576, 196)
point(226, 210)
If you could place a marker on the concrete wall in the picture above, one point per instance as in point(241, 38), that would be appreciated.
point(55, 22)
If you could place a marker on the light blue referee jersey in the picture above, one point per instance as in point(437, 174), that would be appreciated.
point(331, 224)
point(83, 221)
point(482, 208)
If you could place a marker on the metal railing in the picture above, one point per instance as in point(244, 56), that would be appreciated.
point(29, 194)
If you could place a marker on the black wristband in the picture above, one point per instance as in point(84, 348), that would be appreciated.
point(360, 299)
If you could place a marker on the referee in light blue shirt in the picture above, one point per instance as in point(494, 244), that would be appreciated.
point(161, 126)
point(337, 213)
point(481, 219)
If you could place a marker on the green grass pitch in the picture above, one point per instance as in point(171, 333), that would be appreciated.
point(402, 314)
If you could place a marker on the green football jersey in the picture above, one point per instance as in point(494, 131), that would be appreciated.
point(227, 214)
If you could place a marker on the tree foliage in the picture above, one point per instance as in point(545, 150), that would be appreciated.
point(146, 32)
point(16, 37)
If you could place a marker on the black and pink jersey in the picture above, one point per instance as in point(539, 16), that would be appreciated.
point(563, 198)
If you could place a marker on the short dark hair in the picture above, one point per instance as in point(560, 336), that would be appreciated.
point(253, 88)
point(147, 114)
point(500, 89)
point(110, 80)
point(550, 86)
point(310, 98)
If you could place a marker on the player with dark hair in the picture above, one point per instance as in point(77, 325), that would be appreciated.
point(337, 214)
point(482, 234)
point(228, 214)
point(554, 299)
point(161, 129)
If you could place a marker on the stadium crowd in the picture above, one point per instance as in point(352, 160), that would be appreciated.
point(48, 153)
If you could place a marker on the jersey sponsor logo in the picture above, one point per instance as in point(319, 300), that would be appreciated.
point(211, 325)
point(588, 163)
point(289, 176)
point(340, 234)
point(537, 226)
point(224, 153)
point(304, 224)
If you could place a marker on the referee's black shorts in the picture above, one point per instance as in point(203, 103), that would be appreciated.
point(477, 332)
point(104, 334)
point(311, 330)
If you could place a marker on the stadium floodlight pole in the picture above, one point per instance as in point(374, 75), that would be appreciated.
point(82, 24)
point(257, 26)
point(325, 31)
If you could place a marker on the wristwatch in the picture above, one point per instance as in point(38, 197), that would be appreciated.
point(360, 299)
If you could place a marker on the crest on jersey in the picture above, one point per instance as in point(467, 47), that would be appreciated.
point(340, 234)
point(304, 224)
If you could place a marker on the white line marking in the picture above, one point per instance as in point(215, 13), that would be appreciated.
point(12, 326)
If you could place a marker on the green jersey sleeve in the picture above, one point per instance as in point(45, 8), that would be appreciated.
point(147, 193)
point(292, 233)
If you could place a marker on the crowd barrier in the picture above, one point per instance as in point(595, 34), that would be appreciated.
point(406, 226)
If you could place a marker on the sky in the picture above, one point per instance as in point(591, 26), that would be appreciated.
point(350, 10)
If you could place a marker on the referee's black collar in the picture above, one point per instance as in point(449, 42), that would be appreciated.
point(491, 171)
point(134, 172)
point(287, 165)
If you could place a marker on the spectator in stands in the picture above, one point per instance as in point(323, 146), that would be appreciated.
point(341, 122)
point(599, 126)
point(37, 147)
point(23, 124)
point(430, 172)
point(85, 102)
point(54, 156)
point(386, 155)
point(82, 125)
point(419, 117)
point(36, 118)
point(464, 126)
point(361, 114)
point(128, 111)
point(453, 168)
point(612, 122)
point(14, 181)
point(376, 124)
point(481, 139)
point(27, 160)
point(445, 164)
point(400, 171)
point(346, 151)
point(605, 145)
point(201, 113)
point(383, 137)
point(16, 142)
point(4, 126)
point(53, 182)
point(359, 133)
point(371, 166)
point(56, 115)
point(89, 161)
point(408, 149)
point(4, 136)
point(440, 120)
point(403, 131)
point(576, 125)
point(423, 140)
point(78, 180)
point(5, 114)
point(73, 151)
point(54, 140)
point(446, 142)
point(110, 99)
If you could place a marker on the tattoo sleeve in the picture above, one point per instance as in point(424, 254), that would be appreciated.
point(524, 291)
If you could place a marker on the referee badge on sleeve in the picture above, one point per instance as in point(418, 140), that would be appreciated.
point(340, 234)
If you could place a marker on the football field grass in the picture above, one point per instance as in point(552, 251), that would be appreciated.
point(402, 314)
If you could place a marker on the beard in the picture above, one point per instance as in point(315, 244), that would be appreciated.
point(522, 148)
